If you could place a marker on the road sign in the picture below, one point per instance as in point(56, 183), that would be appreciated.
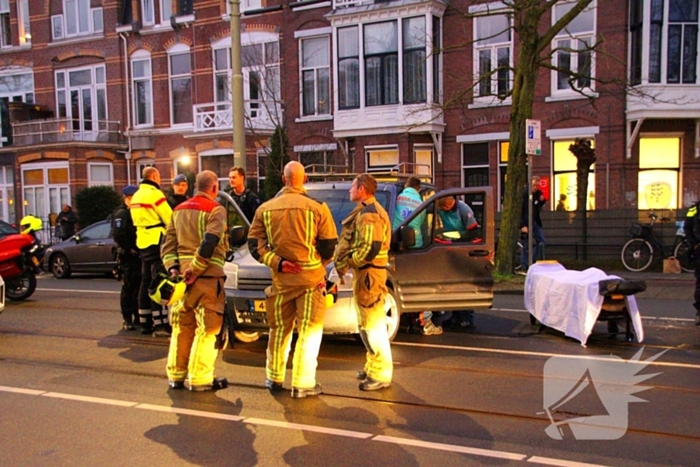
point(533, 142)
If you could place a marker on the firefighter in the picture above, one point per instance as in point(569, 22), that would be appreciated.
point(195, 248)
point(295, 236)
point(364, 247)
point(128, 260)
point(151, 215)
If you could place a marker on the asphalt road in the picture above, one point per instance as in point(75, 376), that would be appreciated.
point(76, 390)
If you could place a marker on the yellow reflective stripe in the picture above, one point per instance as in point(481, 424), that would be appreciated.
point(267, 258)
point(187, 257)
point(170, 257)
point(692, 211)
point(310, 235)
point(202, 224)
point(267, 222)
point(277, 358)
point(196, 264)
point(217, 261)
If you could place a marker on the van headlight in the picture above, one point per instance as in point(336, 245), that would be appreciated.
point(231, 271)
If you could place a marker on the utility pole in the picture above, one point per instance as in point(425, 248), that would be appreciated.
point(237, 112)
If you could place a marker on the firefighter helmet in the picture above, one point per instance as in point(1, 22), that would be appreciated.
point(167, 290)
point(30, 224)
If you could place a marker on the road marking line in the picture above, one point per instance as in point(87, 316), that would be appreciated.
point(298, 426)
point(561, 462)
point(195, 413)
point(96, 400)
point(451, 447)
point(77, 290)
point(30, 392)
point(542, 354)
point(316, 429)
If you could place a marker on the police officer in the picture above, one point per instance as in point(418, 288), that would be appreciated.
point(364, 247)
point(244, 197)
point(691, 227)
point(195, 247)
point(179, 193)
point(295, 236)
point(128, 260)
point(151, 215)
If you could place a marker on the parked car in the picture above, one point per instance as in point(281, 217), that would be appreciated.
point(7, 229)
point(448, 274)
point(90, 250)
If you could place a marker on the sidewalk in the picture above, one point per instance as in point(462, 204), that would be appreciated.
point(659, 286)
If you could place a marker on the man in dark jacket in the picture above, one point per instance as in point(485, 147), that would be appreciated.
point(691, 227)
point(124, 234)
point(179, 194)
point(538, 201)
point(66, 219)
point(246, 199)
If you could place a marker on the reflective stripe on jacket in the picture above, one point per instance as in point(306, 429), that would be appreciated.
point(151, 214)
point(365, 238)
point(293, 227)
point(185, 244)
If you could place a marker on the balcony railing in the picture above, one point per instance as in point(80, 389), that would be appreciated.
point(259, 115)
point(63, 130)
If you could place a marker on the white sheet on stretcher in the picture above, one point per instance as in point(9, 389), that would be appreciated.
point(569, 301)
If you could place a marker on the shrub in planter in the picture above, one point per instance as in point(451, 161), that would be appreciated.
point(96, 203)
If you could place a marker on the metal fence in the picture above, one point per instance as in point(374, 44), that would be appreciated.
point(607, 232)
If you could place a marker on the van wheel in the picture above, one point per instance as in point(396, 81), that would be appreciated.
point(392, 314)
point(246, 336)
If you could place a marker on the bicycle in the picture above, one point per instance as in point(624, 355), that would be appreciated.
point(638, 253)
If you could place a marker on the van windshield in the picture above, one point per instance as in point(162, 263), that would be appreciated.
point(339, 203)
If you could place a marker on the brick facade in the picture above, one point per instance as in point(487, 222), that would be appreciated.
point(607, 118)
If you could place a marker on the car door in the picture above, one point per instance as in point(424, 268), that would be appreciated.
point(449, 271)
point(93, 251)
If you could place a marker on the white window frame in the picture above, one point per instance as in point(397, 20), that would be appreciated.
point(148, 12)
point(494, 10)
point(5, 29)
point(142, 56)
point(245, 5)
point(315, 69)
point(382, 167)
point(92, 182)
point(64, 195)
point(23, 23)
point(576, 41)
point(15, 94)
point(176, 50)
point(59, 23)
point(7, 194)
point(166, 6)
point(98, 95)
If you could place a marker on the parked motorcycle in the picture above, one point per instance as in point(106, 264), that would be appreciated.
point(19, 262)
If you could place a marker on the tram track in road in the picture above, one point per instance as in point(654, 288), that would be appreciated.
point(361, 397)
point(544, 421)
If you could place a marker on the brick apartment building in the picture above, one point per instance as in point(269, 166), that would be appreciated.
point(92, 91)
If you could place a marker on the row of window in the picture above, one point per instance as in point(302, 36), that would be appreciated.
point(658, 177)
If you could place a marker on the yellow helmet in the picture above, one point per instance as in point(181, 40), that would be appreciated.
point(167, 290)
point(30, 224)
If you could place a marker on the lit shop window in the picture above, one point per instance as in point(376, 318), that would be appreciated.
point(659, 165)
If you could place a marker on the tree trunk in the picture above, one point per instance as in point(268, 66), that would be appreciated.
point(521, 110)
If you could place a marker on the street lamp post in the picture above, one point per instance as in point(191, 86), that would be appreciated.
point(237, 115)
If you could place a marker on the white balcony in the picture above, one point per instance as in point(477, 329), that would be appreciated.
point(65, 130)
point(259, 116)
point(383, 119)
point(664, 101)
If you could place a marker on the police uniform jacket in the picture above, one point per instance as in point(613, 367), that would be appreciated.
point(151, 214)
point(196, 238)
point(365, 238)
point(293, 227)
point(248, 201)
point(123, 230)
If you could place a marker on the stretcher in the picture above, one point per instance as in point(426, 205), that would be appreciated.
point(573, 301)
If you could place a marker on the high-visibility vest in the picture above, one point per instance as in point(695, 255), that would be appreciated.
point(151, 214)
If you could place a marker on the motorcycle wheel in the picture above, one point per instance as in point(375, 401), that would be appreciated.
point(20, 287)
